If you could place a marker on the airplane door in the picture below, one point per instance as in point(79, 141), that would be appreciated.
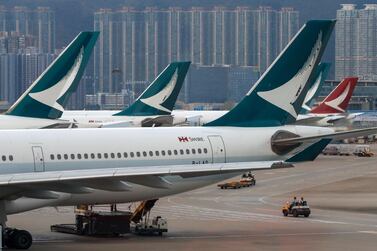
point(218, 149)
point(39, 162)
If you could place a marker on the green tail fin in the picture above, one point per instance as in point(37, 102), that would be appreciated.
point(315, 87)
point(49, 93)
point(278, 95)
point(160, 96)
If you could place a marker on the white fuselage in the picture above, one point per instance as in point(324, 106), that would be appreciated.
point(191, 118)
point(82, 149)
point(18, 122)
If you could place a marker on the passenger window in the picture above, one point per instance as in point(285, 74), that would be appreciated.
point(199, 151)
point(79, 156)
point(126, 155)
point(175, 152)
point(65, 156)
point(182, 152)
point(163, 153)
point(145, 154)
point(59, 156)
point(112, 155)
point(86, 156)
point(151, 153)
point(169, 152)
point(92, 155)
point(132, 154)
point(11, 157)
point(205, 150)
point(193, 151)
point(72, 156)
point(119, 155)
point(105, 155)
point(157, 153)
point(4, 158)
point(99, 155)
point(187, 151)
point(138, 154)
point(52, 157)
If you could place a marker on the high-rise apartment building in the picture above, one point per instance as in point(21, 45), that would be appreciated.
point(135, 45)
point(38, 23)
point(356, 42)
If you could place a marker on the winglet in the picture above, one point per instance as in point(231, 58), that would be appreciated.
point(49, 93)
point(277, 97)
point(311, 152)
point(160, 96)
point(337, 101)
point(320, 76)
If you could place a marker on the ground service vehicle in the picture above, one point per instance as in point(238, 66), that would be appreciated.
point(246, 180)
point(296, 209)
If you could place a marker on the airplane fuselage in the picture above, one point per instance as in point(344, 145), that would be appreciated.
point(192, 118)
point(82, 149)
point(19, 122)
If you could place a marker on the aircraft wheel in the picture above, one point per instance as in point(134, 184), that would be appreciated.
point(19, 239)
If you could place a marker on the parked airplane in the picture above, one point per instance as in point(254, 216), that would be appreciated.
point(86, 166)
point(333, 107)
point(321, 75)
point(42, 103)
point(152, 108)
point(128, 118)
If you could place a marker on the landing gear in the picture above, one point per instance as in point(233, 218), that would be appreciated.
point(18, 239)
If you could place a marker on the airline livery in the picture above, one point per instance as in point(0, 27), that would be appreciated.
point(152, 108)
point(333, 108)
point(112, 165)
point(129, 118)
point(42, 104)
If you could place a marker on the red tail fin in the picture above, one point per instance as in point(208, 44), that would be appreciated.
point(337, 101)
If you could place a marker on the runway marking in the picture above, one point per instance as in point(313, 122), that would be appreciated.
point(262, 235)
point(330, 222)
point(368, 232)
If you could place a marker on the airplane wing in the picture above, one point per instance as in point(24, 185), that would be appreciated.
point(335, 135)
point(44, 185)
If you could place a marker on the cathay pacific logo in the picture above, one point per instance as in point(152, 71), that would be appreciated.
point(159, 98)
point(312, 92)
point(50, 96)
point(335, 103)
point(286, 95)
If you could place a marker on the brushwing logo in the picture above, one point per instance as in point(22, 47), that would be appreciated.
point(335, 103)
point(50, 96)
point(286, 95)
point(159, 98)
point(311, 92)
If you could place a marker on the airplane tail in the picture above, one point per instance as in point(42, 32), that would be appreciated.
point(49, 93)
point(160, 96)
point(337, 101)
point(320, 76)
point(278, 95)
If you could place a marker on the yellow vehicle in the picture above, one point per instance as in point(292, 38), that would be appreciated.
point(247, 180)
point(296, 209)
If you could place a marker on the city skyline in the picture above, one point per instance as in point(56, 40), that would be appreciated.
point(136, 43)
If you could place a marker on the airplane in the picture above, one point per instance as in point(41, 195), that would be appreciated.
point(127, 118)
point(333, 108)
point(41, 105)
point(321, 75)
point(152, 108)
point(61, 167)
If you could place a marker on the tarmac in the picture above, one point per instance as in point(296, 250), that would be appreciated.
point(341, 191)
